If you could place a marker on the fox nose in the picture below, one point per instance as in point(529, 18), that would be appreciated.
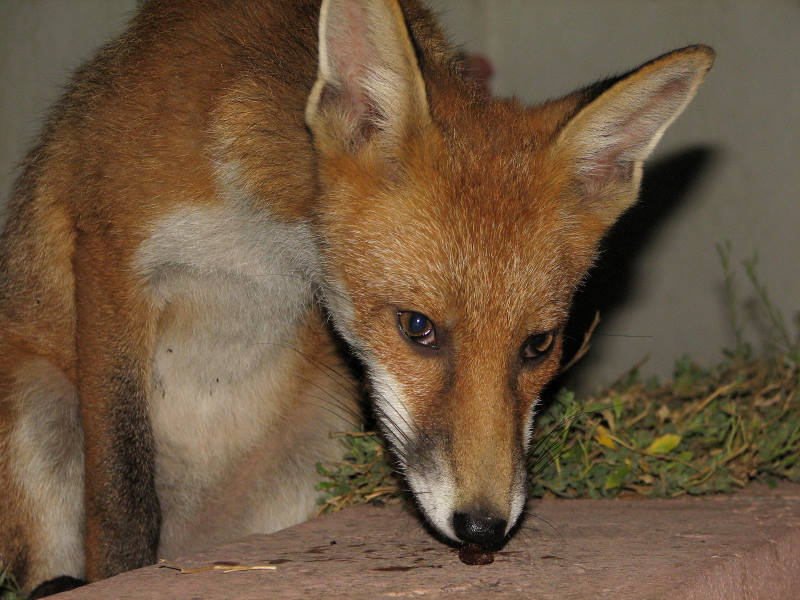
point(480, 528)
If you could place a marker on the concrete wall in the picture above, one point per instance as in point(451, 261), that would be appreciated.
point(727, 169)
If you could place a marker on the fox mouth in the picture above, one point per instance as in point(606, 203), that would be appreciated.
point(436, 496)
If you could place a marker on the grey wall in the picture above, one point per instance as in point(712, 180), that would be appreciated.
point(727, 169)
point(41, 43)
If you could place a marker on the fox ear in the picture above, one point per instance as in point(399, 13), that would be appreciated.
point(369, 85)
point(609, 138)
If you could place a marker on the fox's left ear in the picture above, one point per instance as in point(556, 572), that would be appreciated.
point(608, 139)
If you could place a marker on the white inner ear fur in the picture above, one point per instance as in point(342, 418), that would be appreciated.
point(367, 61)
point(624, 124)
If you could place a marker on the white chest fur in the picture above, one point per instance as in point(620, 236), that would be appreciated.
point(234, 289)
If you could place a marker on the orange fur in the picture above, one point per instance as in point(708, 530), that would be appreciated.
point(219, 204)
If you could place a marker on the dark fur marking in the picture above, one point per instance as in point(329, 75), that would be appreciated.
point(128, 506)
point(56, 585)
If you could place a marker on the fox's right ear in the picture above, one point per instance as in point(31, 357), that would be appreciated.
point(608, 139)
point(369, 87)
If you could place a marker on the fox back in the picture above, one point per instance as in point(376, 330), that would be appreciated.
point(236, 199)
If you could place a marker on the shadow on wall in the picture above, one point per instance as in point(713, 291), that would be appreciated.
point(608, 287)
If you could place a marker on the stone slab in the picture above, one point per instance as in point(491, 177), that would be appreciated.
point(745, 546)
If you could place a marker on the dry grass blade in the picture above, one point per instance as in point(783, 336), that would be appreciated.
point(585, 345)
point(224, 567)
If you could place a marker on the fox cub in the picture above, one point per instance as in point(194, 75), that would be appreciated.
point(236, 198)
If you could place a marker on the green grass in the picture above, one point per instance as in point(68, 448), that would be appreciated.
point(706, 430)
point(9, 590)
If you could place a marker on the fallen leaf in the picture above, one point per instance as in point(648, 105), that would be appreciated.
point(664, 444)
point(604, 438)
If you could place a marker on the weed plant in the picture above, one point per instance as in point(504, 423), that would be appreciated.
point(9, 590)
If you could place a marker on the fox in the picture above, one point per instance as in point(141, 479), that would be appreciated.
point(243, 217)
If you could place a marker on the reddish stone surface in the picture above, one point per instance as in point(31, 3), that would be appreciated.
point(725, 547)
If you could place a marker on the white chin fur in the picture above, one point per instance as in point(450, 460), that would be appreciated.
point(518, 498)
point(519, 493)
point(434, 493)
point(434, 488)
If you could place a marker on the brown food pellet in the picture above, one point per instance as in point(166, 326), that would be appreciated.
point(472, 554)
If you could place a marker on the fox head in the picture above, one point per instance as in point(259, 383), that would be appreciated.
point(453, 231)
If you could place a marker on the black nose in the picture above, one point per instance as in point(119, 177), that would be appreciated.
point(480, 528)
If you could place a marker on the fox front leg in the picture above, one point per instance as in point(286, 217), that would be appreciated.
point(115, 328)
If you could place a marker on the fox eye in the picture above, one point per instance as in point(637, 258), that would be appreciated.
point(416, 327)
point(538, 345)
